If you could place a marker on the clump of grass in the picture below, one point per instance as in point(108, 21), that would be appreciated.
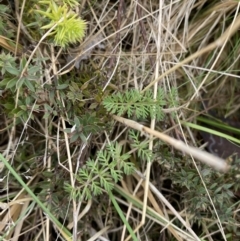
point(61, 143)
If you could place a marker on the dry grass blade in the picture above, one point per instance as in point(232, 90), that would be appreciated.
point(6, 45)
point(218, 43)
point(154, 62)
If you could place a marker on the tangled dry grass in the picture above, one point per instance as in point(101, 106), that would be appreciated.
point(189, 46)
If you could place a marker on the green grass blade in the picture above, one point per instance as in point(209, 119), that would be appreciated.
point(62, 229)
point(217, 133)
point(220, 125)
point(122, 216)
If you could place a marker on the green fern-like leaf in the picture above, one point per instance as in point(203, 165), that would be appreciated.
point(99, 176)
point(96, 189)
point(106, 182)
point(132, 102)
point(128, 167)
point(142, 146)
point(116, 174)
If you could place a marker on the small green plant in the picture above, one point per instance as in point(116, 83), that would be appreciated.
point(220, 188)
point(69, 28)
point(99, 175)
point(13, 81)
point(84, 126)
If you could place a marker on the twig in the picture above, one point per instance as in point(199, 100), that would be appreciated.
point(218, 163)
